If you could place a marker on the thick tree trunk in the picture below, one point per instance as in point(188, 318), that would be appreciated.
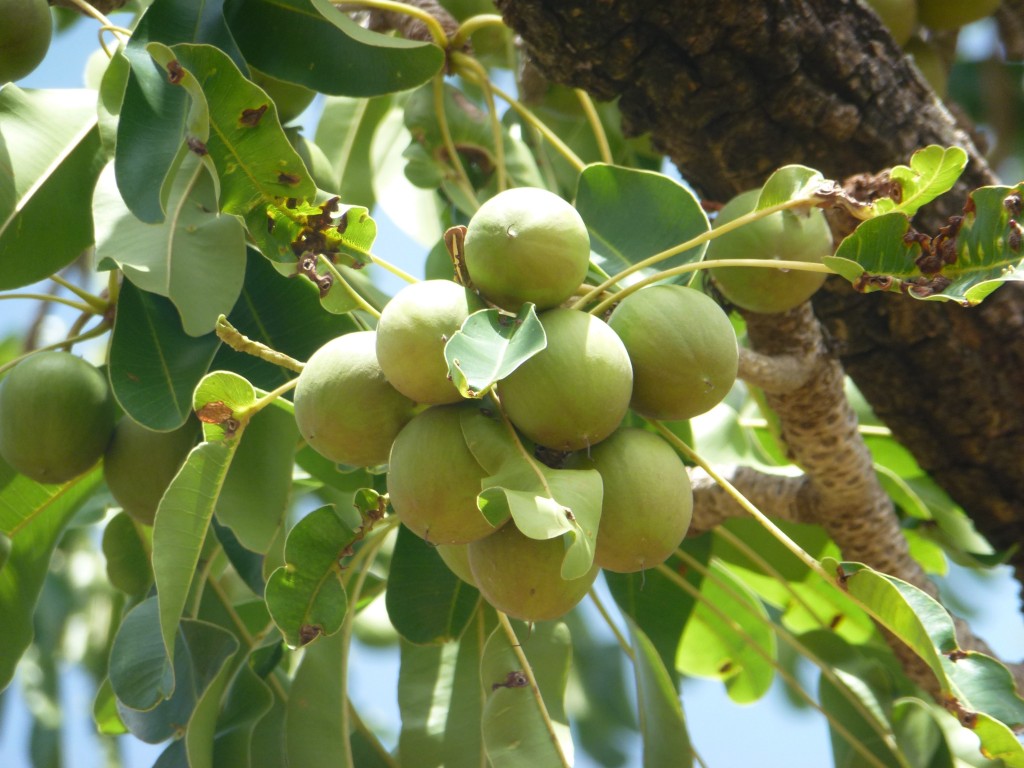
point(731, 90)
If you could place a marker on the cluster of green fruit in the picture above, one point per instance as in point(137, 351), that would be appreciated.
point(385, 396)
point(24, 37)
point(57, 419)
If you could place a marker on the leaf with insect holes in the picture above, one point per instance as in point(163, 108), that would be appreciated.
point(967, 260)
point(932, 172)
point(490, 345)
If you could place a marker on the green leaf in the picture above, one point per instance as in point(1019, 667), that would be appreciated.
point(426, 602)
point(345, 132)
point(48, 166)
point(440, 700)
point(515, 730)
point(729, 637)
point(217, 647)
point(932, 172)
point(154, 365)
point(151, 129)
point(983, 252)
point(255, 496)
point(172, 259)
point(139, 674)
point(919, 736)
point(318, 46)
point(789, 183)
point(247, 701)
point(104, 711)
point(490, 345)
point(126, 553)
point(634, 214)
point(314, 736)
point(234, 121)
point(32, 517)
point(488, 439)
point(662, 724)
point(306, 596)
point(998, 742)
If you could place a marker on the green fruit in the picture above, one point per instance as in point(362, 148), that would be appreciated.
point(433, 478)
point(56, 416)
point(647, 502)
point(24, 37)
point(783, 235)
point(527, 244)
point(950, 14)
point(682, 348)
point(139, 464)
point(573, 393)
point(291, 99)
point(411, 335)
point(456, 557)
point(523, 577)
point(344, 407)
point(899, 17)
point(929, 62)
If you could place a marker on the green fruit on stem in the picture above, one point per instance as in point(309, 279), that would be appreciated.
point(433, 478)
point(783, 235)
point(522, 577)
point(647, 503)
point(899, 17)
point(140, 463)
point(291, 99)
point(527, 244)
point(24, 37)
point(682, 347)
point(950, 14)
point(575, 392)
point(456, 557)
point(413, 329)
point(344, 406)
point(56, 416)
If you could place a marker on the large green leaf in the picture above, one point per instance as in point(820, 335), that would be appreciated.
point(440, 700)
point(256, 491)
point(662, 724)
point(32, 519)
point(521, 730)
point(127, 555)
point(151, 129)
point(426, 602)
point(984, 250)
point(729, 637)
point(172, 259)
point(233, 121)
point(187, 506)
point(50, 157)
point(315, 44)
point(306, 596)
point(154, 365)
point(345, 131)
point(490, 345)
point(248, 700)
point(634, 214)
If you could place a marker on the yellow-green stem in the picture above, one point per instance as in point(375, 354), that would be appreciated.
point(239, 342)
point(492, 113)
point(99, 330)
point(89, 10)
point(471, 25)
point(693, 242)
point(623, 643)
point(603, 147)
point(462, 178)
point(796, 266)
point(339, 279)
point(79, 305)
point(394, 270)
point(268, 398)
point(433, 25)
point(514, 643)
point(99, 305)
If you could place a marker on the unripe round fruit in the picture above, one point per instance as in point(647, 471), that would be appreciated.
point(291, 99)
point(647, 503)
point(682, 348)
point(56, 416)
point(522, 577)
point(899, 17)
point(411, 335)
point(24, 37)
point(573, 393)
point(140, 463)
point(527, 244)
point(433, 478)
point(456, 557)
point(783, 235)
point(344, 406)
point(950, 14)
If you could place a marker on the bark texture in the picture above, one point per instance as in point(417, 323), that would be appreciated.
point(731, 90)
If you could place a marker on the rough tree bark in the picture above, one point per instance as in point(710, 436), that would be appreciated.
point(731, 90)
